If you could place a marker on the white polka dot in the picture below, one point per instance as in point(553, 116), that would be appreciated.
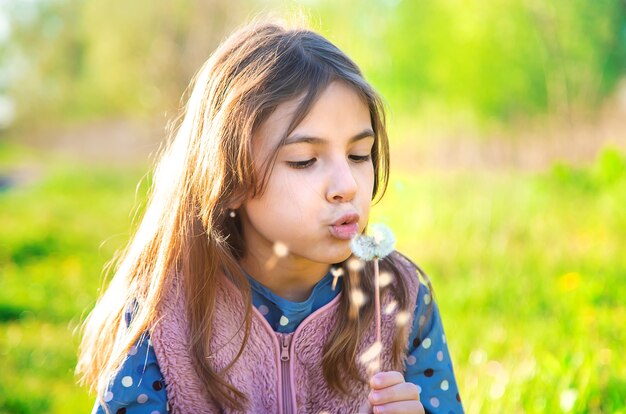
point(422, 320)
point(445, 385)
point(426, 343)
point(411, 360)
point(155, 412)
point(264, 310)
point(142, 398)
point(108, 396)
point(443, 338)
point(439, 356)
point(132, 350)
point(434, 402)
point(419, 389)
point(127, 381)
point(427, 298)
point(283, 320)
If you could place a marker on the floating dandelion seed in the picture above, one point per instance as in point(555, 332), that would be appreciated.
point(371, 353)
point(337, 272)
point(280, 249)
point(402, 318)
point(355, 265)
point(374, 247)
point(373, 367)
point(358, 297)
point(391, 306)
point(385, 279)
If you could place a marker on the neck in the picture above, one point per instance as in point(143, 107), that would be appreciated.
point(290, 278)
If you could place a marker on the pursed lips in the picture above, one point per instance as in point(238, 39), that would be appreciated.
point(345, 227)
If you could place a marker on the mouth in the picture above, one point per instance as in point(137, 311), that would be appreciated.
point(346, 227)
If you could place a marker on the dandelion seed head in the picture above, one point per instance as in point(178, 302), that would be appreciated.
point(378, 245)
point(280, 249)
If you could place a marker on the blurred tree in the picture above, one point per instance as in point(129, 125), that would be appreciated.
point(493, 60)
point(496, 60)
point(81, 59)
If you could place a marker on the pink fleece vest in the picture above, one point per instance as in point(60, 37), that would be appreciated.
point(280, 373)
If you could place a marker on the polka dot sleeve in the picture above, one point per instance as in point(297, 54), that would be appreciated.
point(138, 387)
point(428, 363)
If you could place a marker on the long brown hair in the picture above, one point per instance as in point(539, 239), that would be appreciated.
point(207, 166)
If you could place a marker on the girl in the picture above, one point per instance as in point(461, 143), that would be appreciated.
point(223, 300)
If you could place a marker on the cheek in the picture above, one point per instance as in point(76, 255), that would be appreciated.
point(366, 180)
point(283, 199)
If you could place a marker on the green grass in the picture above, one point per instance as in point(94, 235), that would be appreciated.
point(528, 269)
point(58, 230)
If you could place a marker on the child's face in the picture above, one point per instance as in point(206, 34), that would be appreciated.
point(316, 182)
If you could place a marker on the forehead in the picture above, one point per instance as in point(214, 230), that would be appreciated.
point(338, 113)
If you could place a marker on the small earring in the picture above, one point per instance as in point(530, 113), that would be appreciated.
point(232, 214)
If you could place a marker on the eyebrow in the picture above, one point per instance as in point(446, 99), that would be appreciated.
point(300, 138)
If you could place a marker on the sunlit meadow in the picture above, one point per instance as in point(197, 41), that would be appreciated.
point(528, 270)
point(526, 254)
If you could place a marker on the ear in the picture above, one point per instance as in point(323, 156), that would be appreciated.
point(236, 202)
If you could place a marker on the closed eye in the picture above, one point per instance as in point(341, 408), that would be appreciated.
point(360, 158)
point(301, 164)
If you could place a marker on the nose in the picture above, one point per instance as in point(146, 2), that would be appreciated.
point(342, 185)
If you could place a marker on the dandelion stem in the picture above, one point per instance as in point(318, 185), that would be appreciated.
point(377, 305)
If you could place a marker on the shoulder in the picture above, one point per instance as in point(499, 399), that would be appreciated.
point(425, 311)
point(404, 265)
point(411, 274)
point(138, 385)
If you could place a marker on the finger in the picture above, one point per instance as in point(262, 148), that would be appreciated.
point(386, 379)
point(400, 392)
point(400, 407)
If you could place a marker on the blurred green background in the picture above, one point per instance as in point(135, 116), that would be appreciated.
point(508, 134)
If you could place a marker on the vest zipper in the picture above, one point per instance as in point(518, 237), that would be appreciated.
point(286, 374)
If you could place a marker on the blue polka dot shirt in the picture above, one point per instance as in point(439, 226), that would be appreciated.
point(139, 388)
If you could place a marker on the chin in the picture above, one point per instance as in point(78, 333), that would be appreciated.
point(340, 257)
